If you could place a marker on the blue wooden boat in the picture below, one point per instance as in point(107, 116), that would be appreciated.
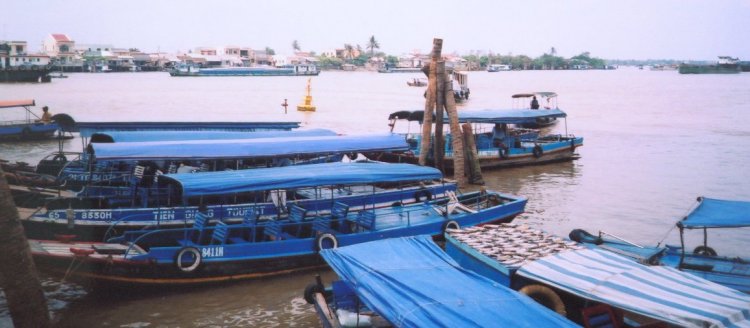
point(545, 100)
point(259, 245)
point(411, 282)
point(498, 145)
point(594, 286)
point(229, 195)
point(286, 70)
point(703, 261)
point(176, 135)
point(28, 128)
point(115, 164)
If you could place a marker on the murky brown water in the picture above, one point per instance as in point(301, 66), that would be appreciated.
point(653, 142)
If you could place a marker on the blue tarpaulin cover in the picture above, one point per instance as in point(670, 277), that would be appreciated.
point(411, 282)
point(248, 148)
point(659, 292)
point(300, 176)
point(718, 213)
point(155, 135)
point(507, 116)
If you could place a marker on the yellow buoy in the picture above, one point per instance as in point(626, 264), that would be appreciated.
point(307, 105)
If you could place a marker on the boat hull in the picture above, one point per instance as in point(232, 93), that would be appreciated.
point(709, 69)
point(28, 131)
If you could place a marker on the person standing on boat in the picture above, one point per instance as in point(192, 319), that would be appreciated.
point(46, 116)
point(534, 103)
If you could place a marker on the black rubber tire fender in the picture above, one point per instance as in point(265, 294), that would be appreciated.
point(704, 250)
point(322, 238)
point(538, 151)
point(310, 292)
point(422, 191)
point(192, 267)
point(545, 296)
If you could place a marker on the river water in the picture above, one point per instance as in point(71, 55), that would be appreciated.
point(653, 142)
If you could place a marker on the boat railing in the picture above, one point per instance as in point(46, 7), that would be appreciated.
point(602, 233)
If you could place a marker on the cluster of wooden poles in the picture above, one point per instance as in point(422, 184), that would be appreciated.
point(439, 100)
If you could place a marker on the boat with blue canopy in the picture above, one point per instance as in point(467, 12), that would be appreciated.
point(29, 128)
point(216, 250)
point(703, 261)
point(116, 164)
point(498, 145)
point(411, 282)
point(595, 285)
point(228, 196)
point(546, 101)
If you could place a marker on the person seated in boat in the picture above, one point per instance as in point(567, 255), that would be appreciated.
point(534, 103)
point(46, 116)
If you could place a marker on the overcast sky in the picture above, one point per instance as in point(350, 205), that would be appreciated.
point(611, 29)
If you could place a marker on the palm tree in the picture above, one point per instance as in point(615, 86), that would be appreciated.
point(295, 45)
point(349, 51)
point(372, 45)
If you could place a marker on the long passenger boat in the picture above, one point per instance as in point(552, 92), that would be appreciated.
point(228, 195)
point(286, 70)
point(703, 261)
point(28, 128)
point(116, 163)
point(262, 245)
point(498, 145)
point(594, 285)
point(438, 293)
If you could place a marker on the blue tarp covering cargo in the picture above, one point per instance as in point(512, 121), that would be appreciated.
point(290, 177)
point(412, 283)
point(247, 148)
point(507, 116)
point(141, 136)
point(659, 292)
point(718, 213)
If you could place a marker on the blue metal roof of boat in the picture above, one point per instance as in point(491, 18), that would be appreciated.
point(86, 129)
point(411, 282)
point(154, 135)
point(659, 292)
point(508, 116)
point(718, 213)
point(300, 176)
point(247, 148)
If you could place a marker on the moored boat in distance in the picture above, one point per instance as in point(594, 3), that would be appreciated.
point(440, 292)
point(726, 65)
point(259, 246)
point(594, 285)
point(417, 82)
point(285, 70)
point(492, 68)
point(703, 261)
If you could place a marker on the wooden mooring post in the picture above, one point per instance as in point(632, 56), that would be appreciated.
point(429, 106)
point(475, 170)
point(18, 276)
